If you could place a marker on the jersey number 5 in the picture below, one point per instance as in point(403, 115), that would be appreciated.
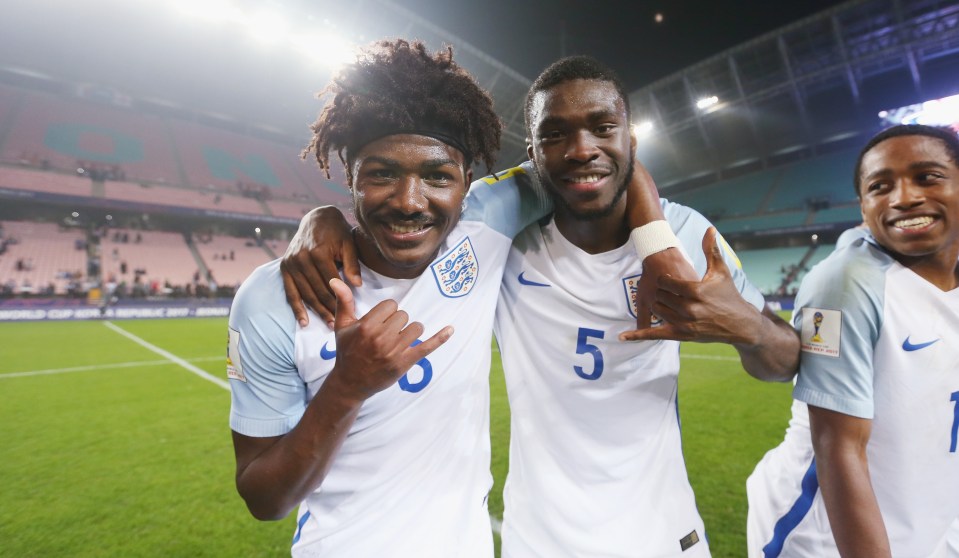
point(583, 347)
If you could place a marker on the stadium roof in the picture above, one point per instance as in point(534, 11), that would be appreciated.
point(255, 65)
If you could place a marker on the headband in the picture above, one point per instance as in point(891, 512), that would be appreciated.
point(446, 135)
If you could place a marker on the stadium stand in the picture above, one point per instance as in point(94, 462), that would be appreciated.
point(230, 259)
point(41, 256)
point(823, 179)
point(762, 222)
point(746, 194)
point(842, 214)
point(64, 132)
point(223, 160)
point(289, 209)
point(767, 268)
point(164, 257)
point(45, 181)
point(180, 197)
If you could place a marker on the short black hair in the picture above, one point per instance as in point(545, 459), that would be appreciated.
point(945, 135)
point(569, 69)
point(399, 87)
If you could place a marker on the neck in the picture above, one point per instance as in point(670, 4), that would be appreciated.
point(940, 269)
point(594, 236)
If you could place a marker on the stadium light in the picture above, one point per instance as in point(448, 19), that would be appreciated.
point(326, 49)
point(210, 10)
point(643, 129)
point(935, 112)
point(268, 27)
point(707, 102)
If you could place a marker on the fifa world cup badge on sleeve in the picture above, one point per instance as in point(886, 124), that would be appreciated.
point(821, 331)
point(456, 272)
point(233, 369)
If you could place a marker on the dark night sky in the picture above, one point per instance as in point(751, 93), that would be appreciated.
point(621, 33)
point(148, 49)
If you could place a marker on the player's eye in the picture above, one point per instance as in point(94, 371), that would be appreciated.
point(927, 177)
point(381, 173)
point(605, 128)
point(439, 177)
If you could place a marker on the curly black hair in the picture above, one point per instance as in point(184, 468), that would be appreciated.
point(399, 87)
point(948, 138)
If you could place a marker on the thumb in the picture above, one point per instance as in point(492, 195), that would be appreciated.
point(345, 310)
point(713, 252)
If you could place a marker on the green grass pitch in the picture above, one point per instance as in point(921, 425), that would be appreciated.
point(110, 449)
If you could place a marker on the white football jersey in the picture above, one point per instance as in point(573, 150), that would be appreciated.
point(412, 476)
point(596, 459)
point(881, 343)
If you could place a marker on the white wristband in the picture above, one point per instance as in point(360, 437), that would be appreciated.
point(652, 238)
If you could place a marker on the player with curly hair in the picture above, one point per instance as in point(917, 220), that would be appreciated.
point(376, 426)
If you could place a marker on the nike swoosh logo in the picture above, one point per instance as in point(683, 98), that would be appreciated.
point(524, 281)
point(327, 354)
point(907, 346)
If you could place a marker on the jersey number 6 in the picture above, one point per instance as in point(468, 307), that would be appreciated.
point(427, 368)
point(583, 346)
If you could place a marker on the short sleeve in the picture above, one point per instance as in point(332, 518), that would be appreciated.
point(508, 201)
point(839, 316)
point(690, 227)
point(268, 396)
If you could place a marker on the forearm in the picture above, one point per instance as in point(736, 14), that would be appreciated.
point(851, 506)
point(773, 354)
point(642, 199)
point(281, 476)
point(842, 468)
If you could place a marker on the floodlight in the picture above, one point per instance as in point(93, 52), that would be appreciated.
point(644, 128)
point(707, 102)
point(327, 49)
point(267, 26)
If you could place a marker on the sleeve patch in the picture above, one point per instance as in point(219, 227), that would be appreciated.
point(234, 370)
point(821, 331)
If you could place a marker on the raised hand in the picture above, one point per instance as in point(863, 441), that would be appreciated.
point(374, 351)
point(323, 239)
point(707, 310)
point(668, 263)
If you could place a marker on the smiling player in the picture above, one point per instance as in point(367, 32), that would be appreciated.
point(876, 471)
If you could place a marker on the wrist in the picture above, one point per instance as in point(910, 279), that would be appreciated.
point(652, 238)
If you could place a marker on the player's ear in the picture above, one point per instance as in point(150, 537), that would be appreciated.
point(529, 149)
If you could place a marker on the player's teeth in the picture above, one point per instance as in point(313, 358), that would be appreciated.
point(915, 222)
point(402, 229)
point(587, 179)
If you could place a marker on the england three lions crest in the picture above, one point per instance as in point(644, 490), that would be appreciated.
point(631, 290)
point(456, 272)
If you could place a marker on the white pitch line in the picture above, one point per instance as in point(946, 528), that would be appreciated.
point(169, 356)
point(496, 523)
point(98, 367)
